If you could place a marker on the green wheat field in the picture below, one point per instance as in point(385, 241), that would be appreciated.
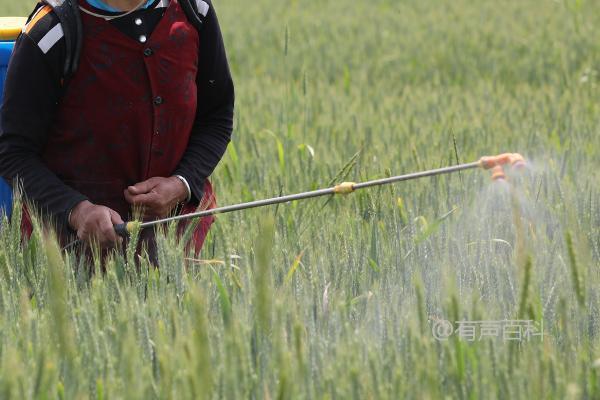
point(343, 298)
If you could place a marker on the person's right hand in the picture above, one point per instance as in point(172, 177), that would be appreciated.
point(94, 223)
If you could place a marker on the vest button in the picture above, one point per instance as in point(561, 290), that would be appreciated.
point(158, 100)
point(148, 52)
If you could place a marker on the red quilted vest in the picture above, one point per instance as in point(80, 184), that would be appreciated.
point(127, 113)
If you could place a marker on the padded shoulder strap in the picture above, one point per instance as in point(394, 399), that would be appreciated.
point(68, 14)
point(195, 11)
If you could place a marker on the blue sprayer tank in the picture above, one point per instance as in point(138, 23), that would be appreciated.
point(10, 27)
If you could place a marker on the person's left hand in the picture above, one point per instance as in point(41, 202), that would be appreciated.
point(157, 196)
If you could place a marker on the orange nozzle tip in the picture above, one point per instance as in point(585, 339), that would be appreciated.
point(498, 173)
point(518, 161)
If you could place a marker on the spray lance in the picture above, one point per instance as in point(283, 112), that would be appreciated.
point(494, 163)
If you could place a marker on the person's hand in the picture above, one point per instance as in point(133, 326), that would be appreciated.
point(157, 196)
point(94, 223)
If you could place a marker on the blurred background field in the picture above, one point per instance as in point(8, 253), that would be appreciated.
point(337, 298)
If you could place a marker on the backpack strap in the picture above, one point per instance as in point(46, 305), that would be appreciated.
point(67, 12)
point(195, 11)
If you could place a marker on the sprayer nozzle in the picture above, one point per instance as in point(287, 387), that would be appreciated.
point(489, 162)
point(514, 159)
point(517, 161)
point(498, 173)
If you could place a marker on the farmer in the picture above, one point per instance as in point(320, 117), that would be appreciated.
point(142, 123)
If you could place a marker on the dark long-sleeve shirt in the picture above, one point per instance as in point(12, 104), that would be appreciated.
point(33, 92)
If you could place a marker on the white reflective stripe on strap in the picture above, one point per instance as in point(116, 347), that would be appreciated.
point(51, 38)
point(202, 7)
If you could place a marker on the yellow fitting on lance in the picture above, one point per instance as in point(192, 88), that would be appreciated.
point(344, 188)
point(132, 226)
point(498, 173)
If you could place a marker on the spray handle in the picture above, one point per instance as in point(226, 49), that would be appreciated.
point(121, 230)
